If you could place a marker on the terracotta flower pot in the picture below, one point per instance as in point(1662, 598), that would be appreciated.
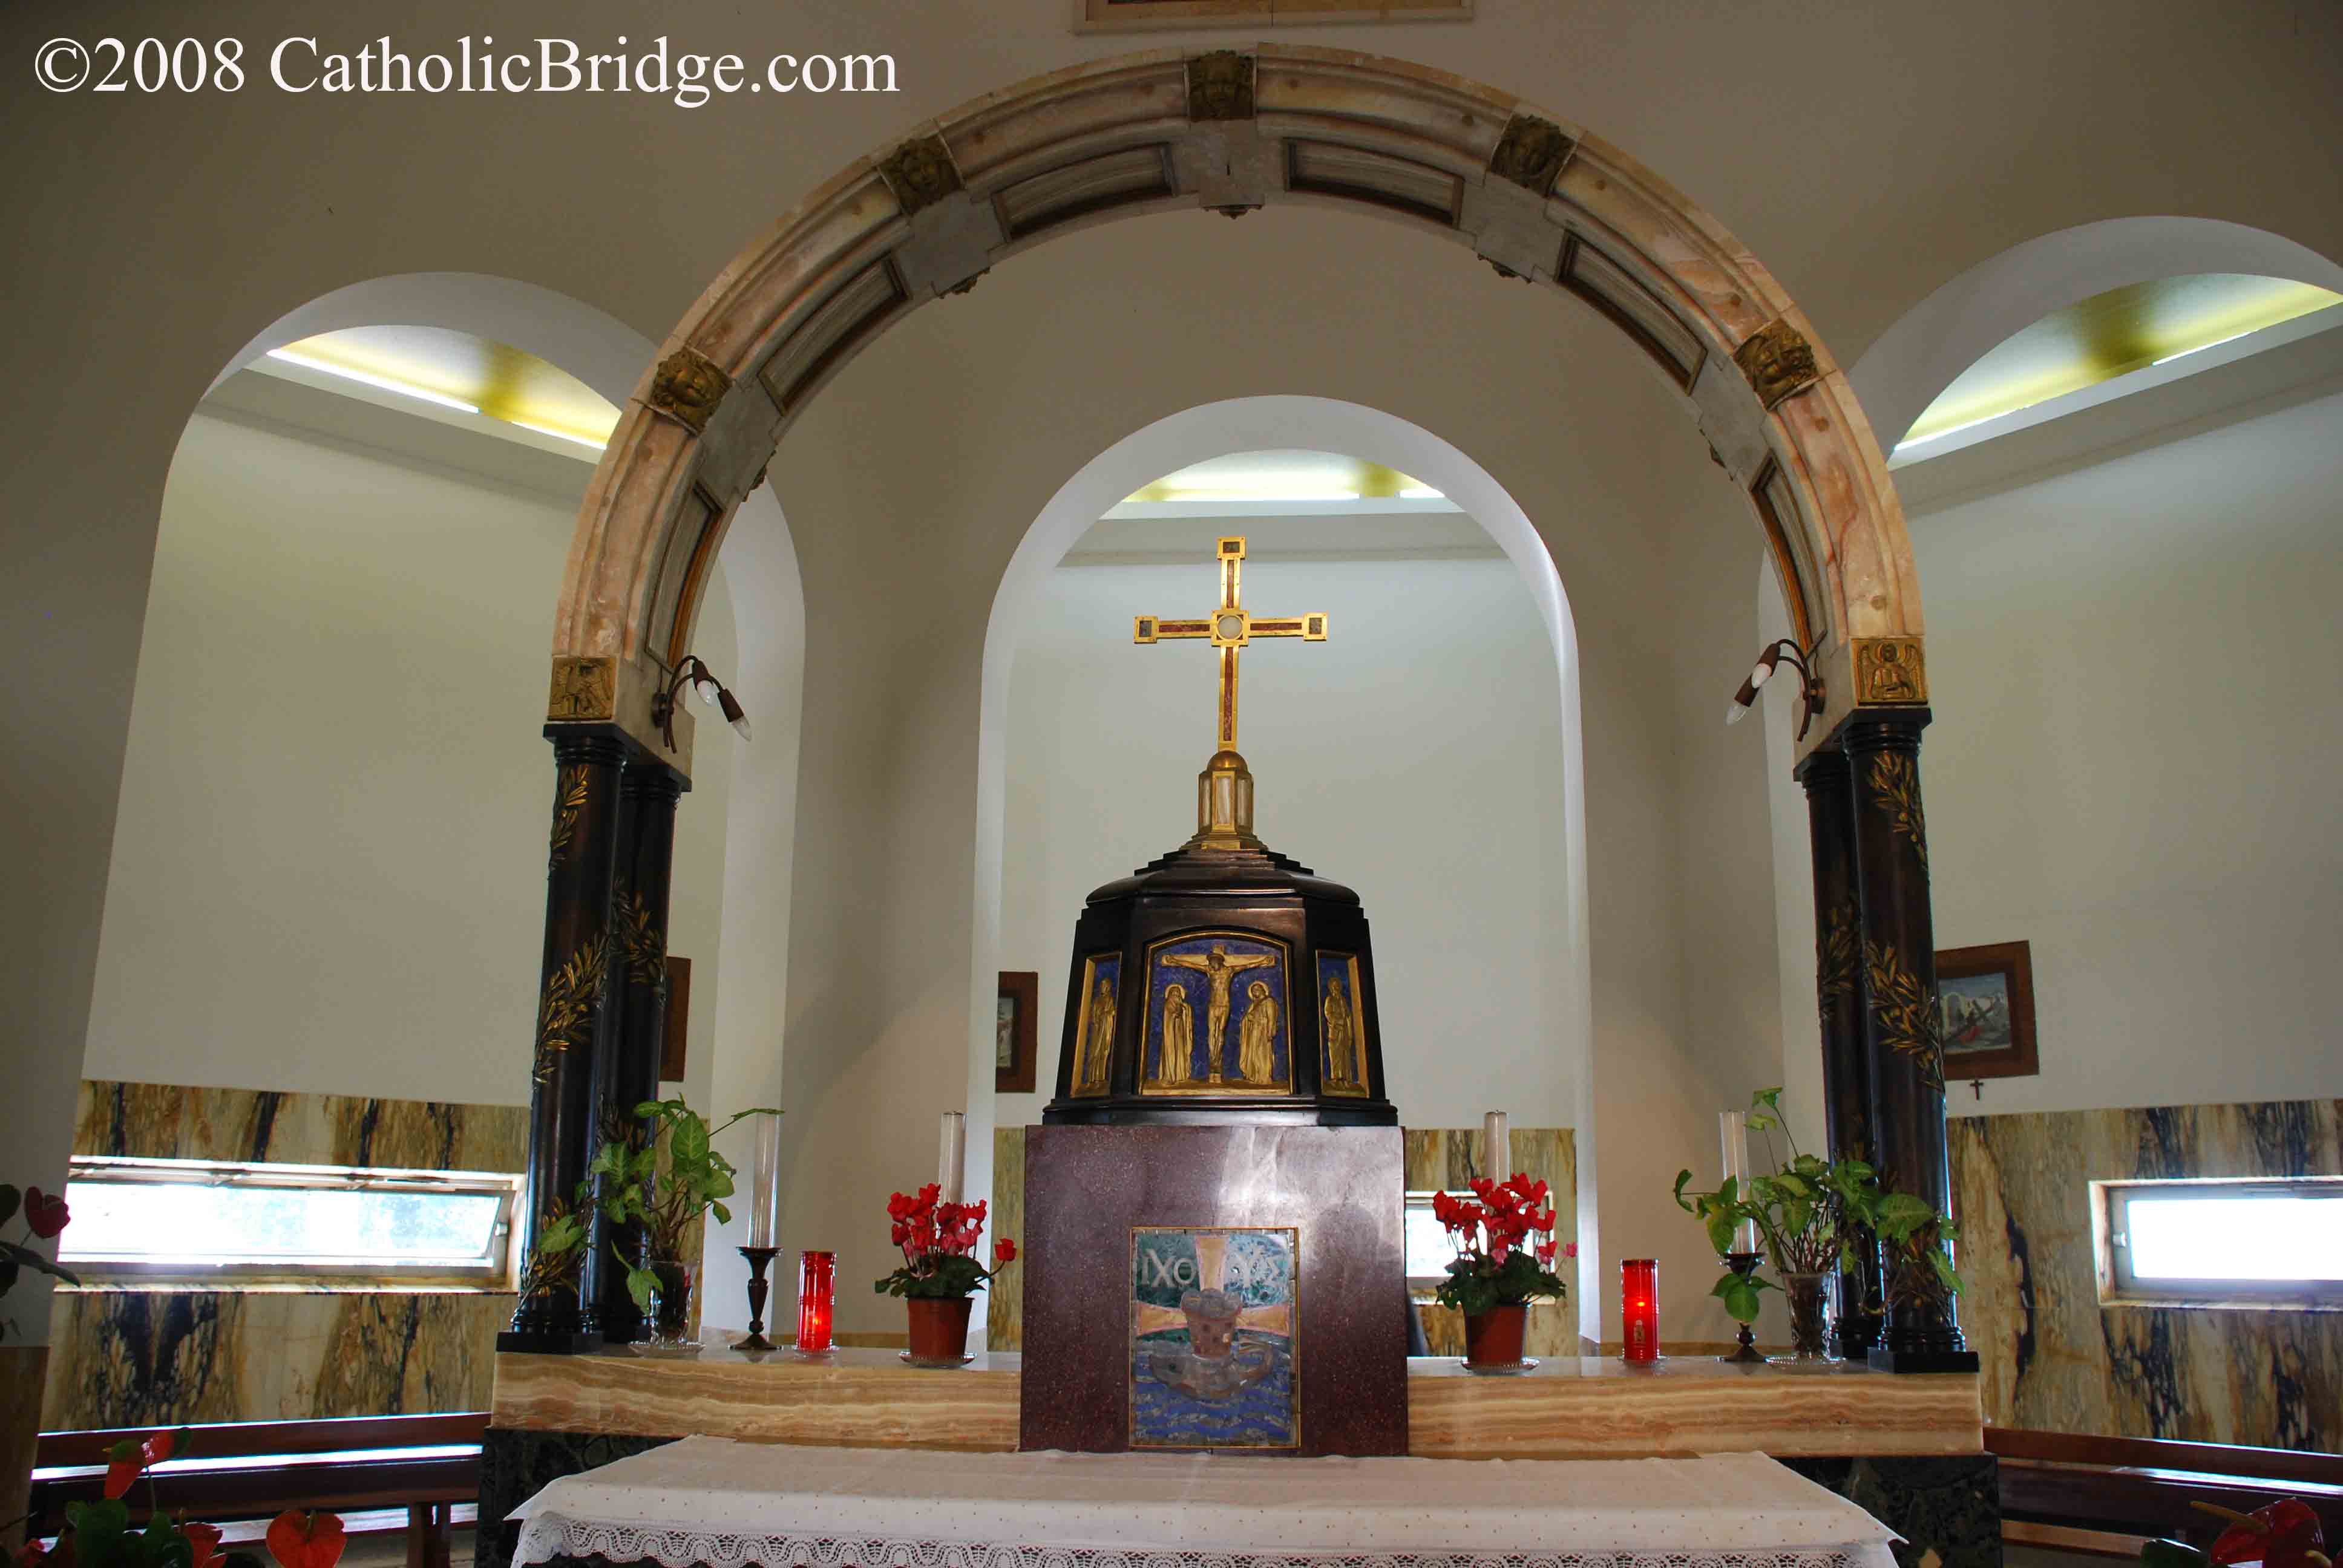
point(1493, 1338)
point(938, 1327)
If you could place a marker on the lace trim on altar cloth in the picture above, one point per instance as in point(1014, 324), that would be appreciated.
point(549, 1536)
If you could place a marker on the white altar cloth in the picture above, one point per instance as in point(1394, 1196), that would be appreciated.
point(712, 1501)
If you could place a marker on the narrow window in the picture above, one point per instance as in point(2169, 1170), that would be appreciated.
point(182, 1222)
point(2221, 1243)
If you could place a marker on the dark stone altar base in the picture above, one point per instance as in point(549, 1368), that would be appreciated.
point(514, 1466)
point(1341, 1188)
point(1948, 1508)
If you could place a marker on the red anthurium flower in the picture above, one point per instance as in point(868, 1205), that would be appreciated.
point(2280, 1535)
point(202, 1541)
point(44, 1212)
point(299, 1540)
point(124, 1461)
point(1004, 1251)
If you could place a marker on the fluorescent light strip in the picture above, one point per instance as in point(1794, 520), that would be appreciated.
point(560, 435)
point(1421, 493)
point(383, 383)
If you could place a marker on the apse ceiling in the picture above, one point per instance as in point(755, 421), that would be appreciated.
point(2125, 340)
point(457, 377)
point(1292, 504)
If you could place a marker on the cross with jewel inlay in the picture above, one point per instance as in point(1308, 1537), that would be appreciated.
point(1229, 629)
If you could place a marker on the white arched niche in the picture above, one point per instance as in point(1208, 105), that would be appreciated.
point(757, 569)
point(1908, 365)
point(1253, 423)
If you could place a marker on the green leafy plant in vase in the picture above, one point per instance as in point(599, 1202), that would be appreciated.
point(1813, 1216)
point(663, 1173)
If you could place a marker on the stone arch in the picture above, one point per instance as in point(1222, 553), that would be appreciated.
point(1536, 196)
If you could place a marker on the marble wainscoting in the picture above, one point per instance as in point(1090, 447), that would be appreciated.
point(1437, 1160)
point(2055, 1359)
point(159, 1357)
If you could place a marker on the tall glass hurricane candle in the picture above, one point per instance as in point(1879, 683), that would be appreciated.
point(1496, 1148)
point(951, 1160)
point(765, 1182)
point(1733, 1137)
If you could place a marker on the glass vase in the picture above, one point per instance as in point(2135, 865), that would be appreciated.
point(1812, 1300)
point(671, 1306)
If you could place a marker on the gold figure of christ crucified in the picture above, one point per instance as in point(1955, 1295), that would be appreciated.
point(1229, 629)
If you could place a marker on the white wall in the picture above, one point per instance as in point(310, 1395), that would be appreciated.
point(1416, 756)
point(2137, 674)
point(328, 868)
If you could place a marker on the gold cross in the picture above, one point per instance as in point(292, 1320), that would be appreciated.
point(1230, 628)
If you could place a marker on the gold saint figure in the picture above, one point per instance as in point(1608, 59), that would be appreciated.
point(1335, 1011)
point(1099, 1044)
point(1257, 1037)
point(1219, 970)
point(1179, 1038)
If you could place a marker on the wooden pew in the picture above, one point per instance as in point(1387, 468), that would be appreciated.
point(2076, 1493)
point(419, 1473)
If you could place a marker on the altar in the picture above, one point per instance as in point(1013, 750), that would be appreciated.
point(719, 1502)
point(1907, 1449)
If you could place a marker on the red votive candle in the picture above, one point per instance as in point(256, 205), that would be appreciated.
point(817, 1287)
point(1639, 1307)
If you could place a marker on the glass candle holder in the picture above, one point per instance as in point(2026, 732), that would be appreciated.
point(765, 1178)
point(817, 1289)
point(1639, 1308)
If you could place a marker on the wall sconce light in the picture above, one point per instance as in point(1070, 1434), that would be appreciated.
point(711, 691)
point(1810, 686)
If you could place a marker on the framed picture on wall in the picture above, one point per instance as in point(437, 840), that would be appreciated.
point(1986, 995)
point(1014, 1032)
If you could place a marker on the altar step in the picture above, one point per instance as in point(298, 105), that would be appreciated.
point(1571, 1407)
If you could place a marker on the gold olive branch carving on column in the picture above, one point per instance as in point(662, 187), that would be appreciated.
point(1896, 789)
point(640, 941)
point(1910, 1022)
point(569, 799)
point(554, 1261)
point(565, 1016)
point(1834, 957)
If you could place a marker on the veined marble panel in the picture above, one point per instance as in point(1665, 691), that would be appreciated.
point(154, 1358)
point(1437, 1159)
point(2055, 1360)
point(168, 1121)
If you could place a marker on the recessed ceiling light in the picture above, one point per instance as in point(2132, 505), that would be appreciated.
point(384, 382)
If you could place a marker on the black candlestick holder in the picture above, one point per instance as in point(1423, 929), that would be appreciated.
point(1745, 1264)
point(760, 1260)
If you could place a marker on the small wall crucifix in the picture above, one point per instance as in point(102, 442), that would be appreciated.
point(1229, 629)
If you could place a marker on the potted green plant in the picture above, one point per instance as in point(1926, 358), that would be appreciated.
point(1505, 1252)
point(1812, 1215)
point(939, 1273)
point(665, 1173)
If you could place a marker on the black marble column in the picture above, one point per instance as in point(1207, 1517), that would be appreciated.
point(581, 857)
point(1904, 1036)
point(1846, 1065)
point(626, 1047)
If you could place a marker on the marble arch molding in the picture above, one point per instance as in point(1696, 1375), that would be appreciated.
point(1530, 193)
